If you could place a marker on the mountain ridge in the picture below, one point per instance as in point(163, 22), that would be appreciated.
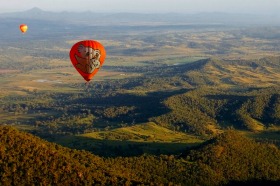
point(125, 18)
point(218, 93)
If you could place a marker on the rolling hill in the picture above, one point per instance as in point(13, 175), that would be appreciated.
point(244, 73)
point(226, 159)
point(263, 72)
point(209, 95)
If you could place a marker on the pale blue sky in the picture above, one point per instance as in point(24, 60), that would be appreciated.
point(146, 6)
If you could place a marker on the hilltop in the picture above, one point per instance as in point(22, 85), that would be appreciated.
point(228, 158)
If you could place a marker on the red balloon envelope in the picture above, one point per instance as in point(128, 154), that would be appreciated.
point(87, 57)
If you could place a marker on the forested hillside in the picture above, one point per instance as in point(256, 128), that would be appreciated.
point(229, 158)
point(203, 97)
point(219, 93)
point(205, 110)
point(208, 95)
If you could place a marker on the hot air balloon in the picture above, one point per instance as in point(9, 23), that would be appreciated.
point(87, 57)
point(23, 28)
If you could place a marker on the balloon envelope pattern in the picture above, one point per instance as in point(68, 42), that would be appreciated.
point(87, 57)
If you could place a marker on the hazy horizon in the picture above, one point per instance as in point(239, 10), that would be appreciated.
point(269, 7)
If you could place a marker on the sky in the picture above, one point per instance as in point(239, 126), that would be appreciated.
point(146, 6)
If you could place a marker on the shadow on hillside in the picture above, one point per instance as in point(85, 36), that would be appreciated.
point(146, 106)
point(115, 148)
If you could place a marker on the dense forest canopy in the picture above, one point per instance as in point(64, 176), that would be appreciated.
point(226, 159)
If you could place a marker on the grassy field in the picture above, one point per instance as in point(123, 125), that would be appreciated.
point(142, 138)
point(149, 132)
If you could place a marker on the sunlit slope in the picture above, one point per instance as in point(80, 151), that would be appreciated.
point(237, 158)
point(144, 138)
point(252, 73)
point(29, 160)
point(148, 132)
point(227, 158)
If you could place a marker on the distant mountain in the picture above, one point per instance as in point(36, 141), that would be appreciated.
point(38, 14)
point(228, 158)
point(94, 18)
